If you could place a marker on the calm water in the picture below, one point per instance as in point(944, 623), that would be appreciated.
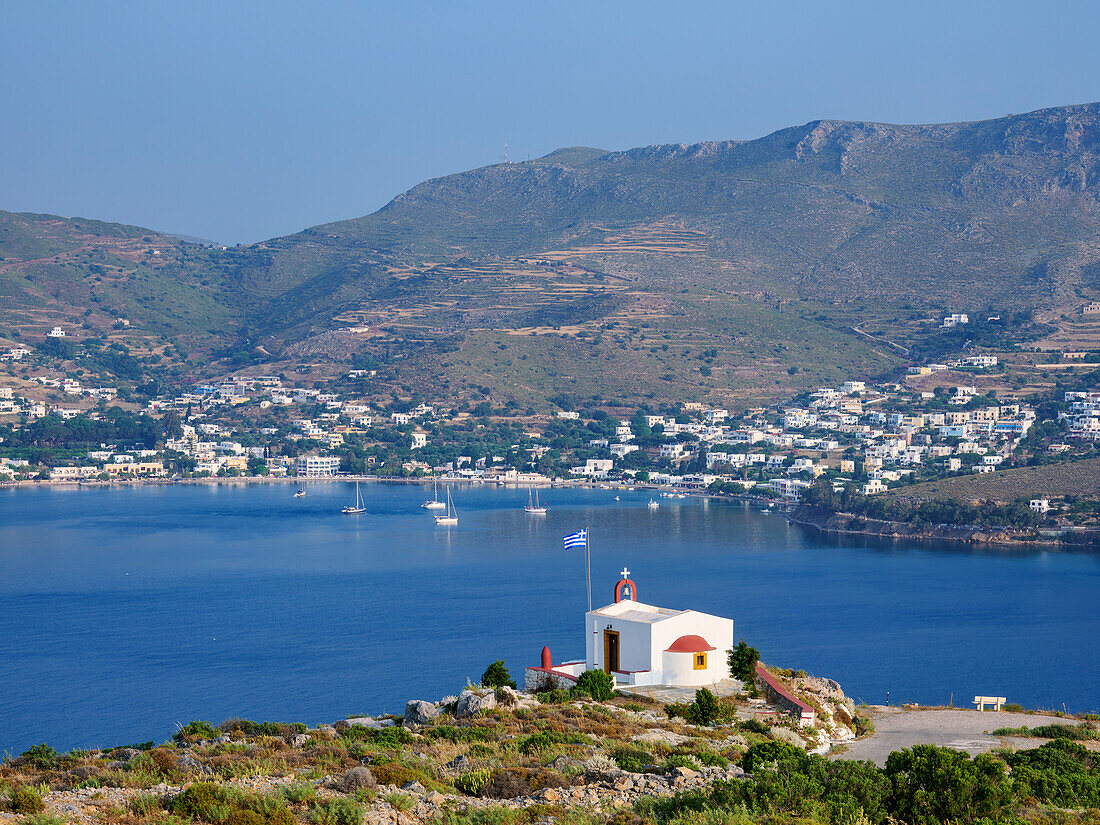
point(123, 612)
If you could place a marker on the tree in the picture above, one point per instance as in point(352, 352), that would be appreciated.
point(497, 676)
point(743, 660)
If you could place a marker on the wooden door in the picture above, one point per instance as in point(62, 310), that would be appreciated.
point(610, 650)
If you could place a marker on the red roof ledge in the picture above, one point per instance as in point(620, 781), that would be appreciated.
point(689, 644)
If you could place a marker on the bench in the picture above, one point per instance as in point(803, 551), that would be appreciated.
point(996, 701)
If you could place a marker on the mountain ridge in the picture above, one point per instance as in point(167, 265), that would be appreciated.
point(832, 215)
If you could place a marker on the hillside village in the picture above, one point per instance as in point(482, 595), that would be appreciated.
point(875, 436)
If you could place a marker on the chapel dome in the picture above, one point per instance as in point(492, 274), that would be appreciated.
point(689, 644)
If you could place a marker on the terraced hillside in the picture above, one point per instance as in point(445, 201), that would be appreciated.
point(722, 271)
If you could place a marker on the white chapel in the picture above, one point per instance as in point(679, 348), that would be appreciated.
point(640, 644)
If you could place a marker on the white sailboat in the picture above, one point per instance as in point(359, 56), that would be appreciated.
point(434, 503)
point(534, 507)
point(451, 516)
point(357, 508)
point(653, 505)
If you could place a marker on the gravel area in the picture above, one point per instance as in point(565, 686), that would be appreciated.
point(965, 730)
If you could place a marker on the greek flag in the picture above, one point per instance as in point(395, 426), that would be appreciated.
point(575, 540)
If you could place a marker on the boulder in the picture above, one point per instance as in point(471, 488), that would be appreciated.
point(471, 703)
point(414, 787)
point(356, 779)
point(188, 764)
point(363, 722)
point(682, 774)
point(460, 764)
point(419, 713)
point(299, 740)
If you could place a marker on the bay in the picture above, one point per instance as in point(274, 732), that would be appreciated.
point(126, 611)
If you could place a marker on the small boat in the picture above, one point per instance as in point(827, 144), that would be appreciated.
point(357, 508)
point(766, 512)
point(535, 508)
point(299, 494)
point(434, 503)
point(451, 516)
point(653, 505)
point(616, 498)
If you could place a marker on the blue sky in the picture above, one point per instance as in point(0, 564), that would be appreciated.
point(240, 121)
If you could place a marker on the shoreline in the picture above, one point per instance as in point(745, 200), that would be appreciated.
point(846, 524)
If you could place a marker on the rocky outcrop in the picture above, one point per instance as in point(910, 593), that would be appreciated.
point(472, 702)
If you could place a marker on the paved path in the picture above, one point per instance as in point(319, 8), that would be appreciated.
point(965, 730)
point(671, 693)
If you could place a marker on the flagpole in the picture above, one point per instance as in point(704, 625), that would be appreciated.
point(588, 569)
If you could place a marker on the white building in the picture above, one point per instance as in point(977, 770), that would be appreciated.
point(640, 644)
point(56, 332)
point(317, 466)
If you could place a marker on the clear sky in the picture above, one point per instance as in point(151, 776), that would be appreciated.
point(239, 121)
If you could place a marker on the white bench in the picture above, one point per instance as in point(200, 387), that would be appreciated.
point(996, 701)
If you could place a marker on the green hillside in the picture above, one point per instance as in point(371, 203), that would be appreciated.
point(723, 271)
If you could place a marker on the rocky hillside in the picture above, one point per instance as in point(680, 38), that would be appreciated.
point(722, 271)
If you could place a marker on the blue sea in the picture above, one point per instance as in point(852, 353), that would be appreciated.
point(126, 611)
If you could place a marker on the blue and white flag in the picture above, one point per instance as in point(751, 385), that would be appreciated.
point(578, 539)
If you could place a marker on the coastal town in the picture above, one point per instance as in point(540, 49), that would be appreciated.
point(871, 437)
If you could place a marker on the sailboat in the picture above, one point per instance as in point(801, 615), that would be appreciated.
point(653, 505)
point(451, 516)
point(534, 507)
point(357, 508)
point(299, 494)
point(434, 503)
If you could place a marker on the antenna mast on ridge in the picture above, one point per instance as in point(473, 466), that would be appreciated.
point(505, 152)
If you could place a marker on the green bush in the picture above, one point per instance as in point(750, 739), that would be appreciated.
point(497, 676)
point(23, 799)
point(556, 696)
point(40, 756)
point(544, 740)
point(631, 758)
point(595, 683)
point(196, 729)
point(742, 661)
point(250, 728)
point(463, 734)
point(340, 811)
point(705, 710)
point(753, 726)
point(1082, 732)
point(680, 760)
point(300, 793)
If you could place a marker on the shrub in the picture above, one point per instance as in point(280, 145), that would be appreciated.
point(753, 726)
point(40, 756)
point(680, 760)
point(631, 758)
point(497, 676)
point(203, 800)
point(547, 739)
point(340, 811)
point(299, 793)
point(705, 710)
point(23, 799)
point(1078, 732)
point(595, 683)
point(742, 661)
point(394, 773)
point(711, 759)
point(250, 728)
point(863, 725)
point(400, 801)
point(508, 783)
point(143, 805)
point(389, 737)
point(463, 734)
point(481, 749)
point(471, 783)
point(554, 696)
point(194, 730)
